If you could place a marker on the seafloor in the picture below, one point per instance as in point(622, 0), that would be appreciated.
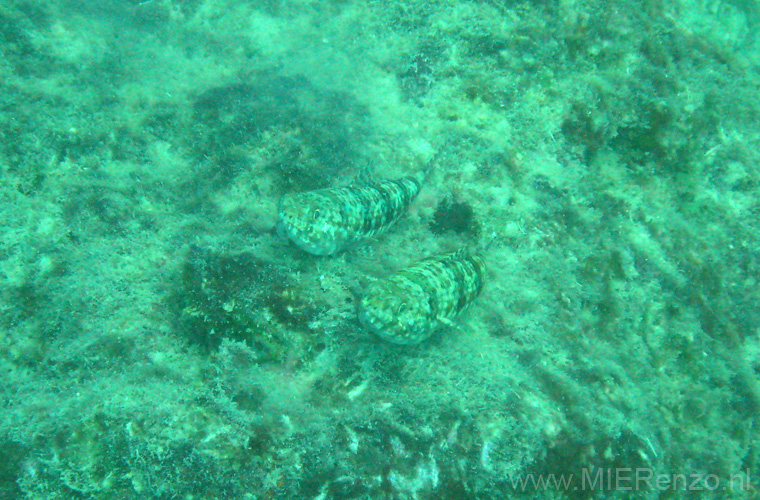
point(159, 340)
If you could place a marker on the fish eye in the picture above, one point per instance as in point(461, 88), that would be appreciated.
point(401, 308)
point(315, 215)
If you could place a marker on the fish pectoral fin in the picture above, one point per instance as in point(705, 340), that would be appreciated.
point(447, 322)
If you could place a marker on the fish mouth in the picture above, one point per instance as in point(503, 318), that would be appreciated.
point(367, 320)
point(392, 331)
point(371, 321)
point(281, 227)
point(303, 239)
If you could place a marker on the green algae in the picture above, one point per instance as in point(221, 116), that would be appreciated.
point(241, 298)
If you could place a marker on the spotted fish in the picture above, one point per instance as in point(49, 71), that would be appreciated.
point(326, 221)
point(406, 308)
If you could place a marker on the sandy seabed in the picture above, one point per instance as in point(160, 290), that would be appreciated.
point(160, 340)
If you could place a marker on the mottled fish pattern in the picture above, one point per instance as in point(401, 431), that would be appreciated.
point(407, 307)
point(326, 221)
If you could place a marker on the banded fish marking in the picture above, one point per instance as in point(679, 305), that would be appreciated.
point(406, 308)
point(326, 221)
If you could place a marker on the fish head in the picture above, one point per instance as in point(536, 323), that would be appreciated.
point(312, 222)
point(397, 313)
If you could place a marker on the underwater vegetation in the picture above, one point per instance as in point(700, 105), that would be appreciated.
point(222, 297)
point(456, 216)
point(315, 130)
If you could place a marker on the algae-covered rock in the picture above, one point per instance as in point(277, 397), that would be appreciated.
point(242, 298)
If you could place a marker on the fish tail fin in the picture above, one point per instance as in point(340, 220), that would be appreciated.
point(430, 166)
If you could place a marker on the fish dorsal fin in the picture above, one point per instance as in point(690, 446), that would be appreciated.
point(365, 177)
point(458, 254)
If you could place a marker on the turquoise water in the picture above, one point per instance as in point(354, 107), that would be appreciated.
point(161, 340)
